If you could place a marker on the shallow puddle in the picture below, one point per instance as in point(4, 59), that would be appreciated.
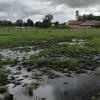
point(17, 53)
point(80, 42)
point(61, 88)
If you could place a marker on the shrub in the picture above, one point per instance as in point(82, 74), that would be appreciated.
point(30, 90)
point(3, 75)
point(8, 62)
point(3, 89)
point(8, 96)
point(32, 86)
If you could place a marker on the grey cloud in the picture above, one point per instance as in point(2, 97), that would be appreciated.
point(4, 7)
point(76, 3)
point(16, 10)
point(61, 9)
point(20, 9)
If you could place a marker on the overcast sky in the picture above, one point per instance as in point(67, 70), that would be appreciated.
point(36, 9)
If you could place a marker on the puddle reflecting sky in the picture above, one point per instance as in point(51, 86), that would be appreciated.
point(63, 88)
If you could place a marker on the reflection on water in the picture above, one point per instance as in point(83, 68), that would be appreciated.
point(45, 91)
point(62, 88)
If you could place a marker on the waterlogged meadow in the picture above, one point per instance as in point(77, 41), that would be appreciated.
point(36, 64)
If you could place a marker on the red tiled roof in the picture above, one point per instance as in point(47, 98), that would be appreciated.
point(74, 22)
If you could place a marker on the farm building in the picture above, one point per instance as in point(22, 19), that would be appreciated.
point(74, 24)
point(90, 24)
point(83, 24)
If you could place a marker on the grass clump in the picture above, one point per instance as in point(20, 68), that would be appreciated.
point(79, 49)
point(8, 62)
point(30, 90)
point(63, 49)
point(72, 64)
point(8, 96)
point(66, 50)
point(3, 89)
point(76, 64)
point(30, 87)
point(39, 62)
point(3, 75)
point(26, 49)
point(73, 57)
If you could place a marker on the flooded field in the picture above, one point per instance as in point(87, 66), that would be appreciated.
point(47, 83)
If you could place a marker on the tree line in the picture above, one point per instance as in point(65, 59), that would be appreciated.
point(89, 17)
point(47, 22)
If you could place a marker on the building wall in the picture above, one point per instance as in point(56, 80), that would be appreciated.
point(79, 27)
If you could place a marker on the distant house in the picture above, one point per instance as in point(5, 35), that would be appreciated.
point(83, 24)
point(90, 24)
point(74, 24)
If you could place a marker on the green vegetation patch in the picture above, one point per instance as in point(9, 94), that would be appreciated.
point(24, 36)
point(72, 64)
point(8, 62)
point(3, 76)
point(25, 49)
point(3, 89)
point(30, 87)
point(63, 49)
point(74, 58)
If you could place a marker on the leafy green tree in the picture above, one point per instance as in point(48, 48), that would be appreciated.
point(38, 24)
point(30, 23)
point(5, 23)
point(10, 23)
point(19, 22)
point(25, 24)
point(56, 23)
point(47, 21)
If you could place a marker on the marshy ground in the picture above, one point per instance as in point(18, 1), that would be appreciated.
point(36, 64)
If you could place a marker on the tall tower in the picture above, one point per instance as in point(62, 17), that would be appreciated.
point(77, 15)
